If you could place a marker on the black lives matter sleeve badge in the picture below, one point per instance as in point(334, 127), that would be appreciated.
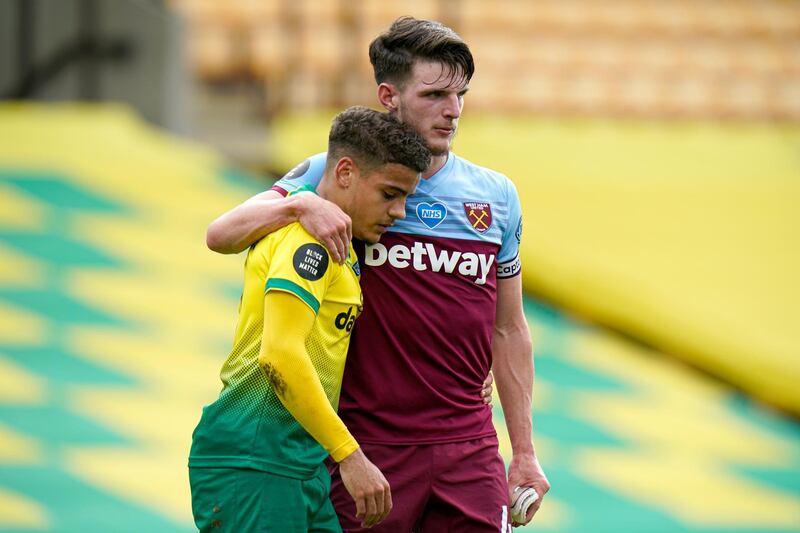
point(311, 261)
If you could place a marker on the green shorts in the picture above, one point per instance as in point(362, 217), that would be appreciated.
point(239, 500)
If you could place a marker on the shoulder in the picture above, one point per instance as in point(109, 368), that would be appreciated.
point(304, 248)
point(316, 163)
point(293, 248)
point(487, 175)
point(313, 164)
point(493, 183)
point(307, 172)
point(290, 235)
point(293, 234)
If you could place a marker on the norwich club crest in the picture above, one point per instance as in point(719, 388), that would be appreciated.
point(479, 215)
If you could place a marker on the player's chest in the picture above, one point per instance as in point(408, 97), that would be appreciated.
point(470, 216)
point(344, 300)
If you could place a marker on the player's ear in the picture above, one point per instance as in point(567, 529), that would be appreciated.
point(387, 96)
point(345, 172)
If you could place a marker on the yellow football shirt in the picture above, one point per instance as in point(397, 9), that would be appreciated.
point(248, 426)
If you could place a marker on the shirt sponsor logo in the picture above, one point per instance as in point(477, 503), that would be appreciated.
point(479, 215)
point(431, 214)
point(310, 261)
point(425, 256)
point(346, 320)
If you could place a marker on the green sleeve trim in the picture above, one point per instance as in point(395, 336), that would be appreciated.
point(290, 286)
point(305, 188)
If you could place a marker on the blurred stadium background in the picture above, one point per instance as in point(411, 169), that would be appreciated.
point(656, 147)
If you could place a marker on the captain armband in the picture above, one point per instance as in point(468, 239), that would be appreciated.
point(509, 269)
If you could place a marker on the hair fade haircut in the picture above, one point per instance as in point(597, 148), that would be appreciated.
point(394, 52)
point(374, 139)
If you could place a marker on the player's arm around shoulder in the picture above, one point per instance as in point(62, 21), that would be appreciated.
point(256, 217)
point(270, 210)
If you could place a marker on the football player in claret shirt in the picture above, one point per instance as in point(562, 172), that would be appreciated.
point(256, 462)
point(444, 308)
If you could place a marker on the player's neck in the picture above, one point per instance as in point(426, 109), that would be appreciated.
point(324, 189)
point(437, 162)
point(327, 190)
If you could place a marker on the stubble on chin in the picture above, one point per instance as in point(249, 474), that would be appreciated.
point(439, 150)
point(442, 149)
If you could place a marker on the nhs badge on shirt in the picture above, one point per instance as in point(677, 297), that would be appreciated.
point(479, 215)
point(431, 214)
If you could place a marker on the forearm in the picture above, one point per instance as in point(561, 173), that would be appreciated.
point(288, 368)
point(299, 390)
point(246, 223)
point(513, 373)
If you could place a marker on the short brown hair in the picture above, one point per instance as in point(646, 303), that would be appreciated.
point(393, 52)
point(374, 139)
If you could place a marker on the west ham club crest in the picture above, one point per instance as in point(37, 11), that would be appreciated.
point(479, 215)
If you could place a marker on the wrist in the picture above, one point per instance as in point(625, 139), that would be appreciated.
point(352, 456)
point(523, 451)
point(346, 449)
point(296, 206)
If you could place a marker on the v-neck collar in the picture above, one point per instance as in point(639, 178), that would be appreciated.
point(426, 186)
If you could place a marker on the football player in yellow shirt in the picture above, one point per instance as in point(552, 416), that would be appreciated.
point(256, 462)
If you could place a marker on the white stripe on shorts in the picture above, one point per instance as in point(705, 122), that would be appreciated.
point(504, 520)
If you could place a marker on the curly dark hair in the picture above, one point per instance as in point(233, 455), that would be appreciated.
point(393, 52)
point(374, 139)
